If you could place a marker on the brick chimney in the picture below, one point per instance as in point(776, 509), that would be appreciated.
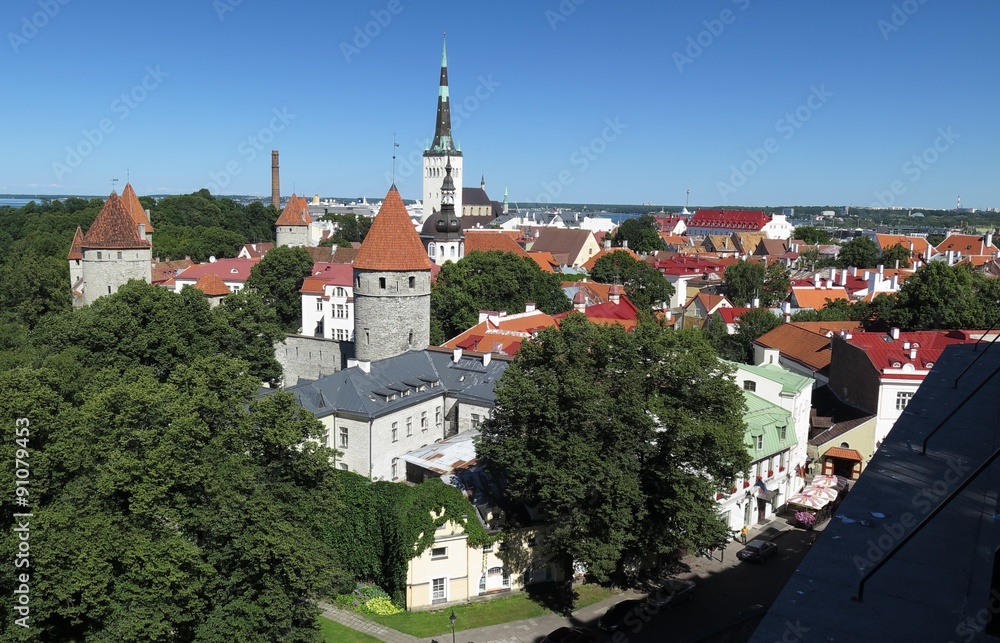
point(275, 183)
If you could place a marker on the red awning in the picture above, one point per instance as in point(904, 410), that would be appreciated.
point(844, 454)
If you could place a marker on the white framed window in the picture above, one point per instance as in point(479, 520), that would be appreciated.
point(437, 416)
point(902, 399)
point(395, 468)
point(319, 304)
point(409, 426)
point(782, 432)
point(423, 420)
point(395, 431)
point(749, 385)
point(439, 590)
point(475, 421)
point(343, 466)
point(759, 442)
point(439, 552)
point(343, 437)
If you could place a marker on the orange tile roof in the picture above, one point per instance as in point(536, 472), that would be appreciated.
point(163, 271)
point(967, 244)
point(486, 240)
point(76, 249)
point(886, 241)
point(212, 286)
point(847, 454)
point(545, 260)
point(296, 212)
point(589, 264)
point(392, 243)
point(113, 228)
point(134, 207)
point(502, 334)
point(815, 298)
point(803, 345)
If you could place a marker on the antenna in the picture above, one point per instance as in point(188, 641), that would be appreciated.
point(128, 175)
point(687, 198)
point(394, 146)
point(113, 181)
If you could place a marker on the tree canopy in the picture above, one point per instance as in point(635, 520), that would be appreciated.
point(622, 437)
point(277, 278)
point(200, 226)
point(896, 253)
point(811, 234)
point(492, 280)
point(739, 346)
point(641, 233)
point(859, 252)
point(643, 284)
point(941, 296)
point(747, 280)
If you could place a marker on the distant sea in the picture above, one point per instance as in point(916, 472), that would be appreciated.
point(16, 203)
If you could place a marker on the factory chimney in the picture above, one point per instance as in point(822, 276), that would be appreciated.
point(275, 183)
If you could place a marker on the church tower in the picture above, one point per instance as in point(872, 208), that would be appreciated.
point(392, 286)
point(442, 150)
point(113, 251)
point(442, 233)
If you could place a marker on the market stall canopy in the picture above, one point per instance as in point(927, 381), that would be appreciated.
point(812, 502)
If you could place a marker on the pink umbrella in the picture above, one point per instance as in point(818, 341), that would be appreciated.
point(813, 502)
point(820, 492)
point(825, 481)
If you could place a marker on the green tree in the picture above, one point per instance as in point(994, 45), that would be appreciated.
point(278, 278)
point(941, 296)
point(622, 437)
point(859, 252)
point(641, 233)
point(811, 234)
point(739, 346)
point(746, 281)
point(491, 280)
point(777, 284)
point(896, 253)
point(248, 329)
point(643, 284)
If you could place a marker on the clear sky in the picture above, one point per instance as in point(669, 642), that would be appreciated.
point(745, 102)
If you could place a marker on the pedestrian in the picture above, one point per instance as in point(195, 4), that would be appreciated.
point(743, 534)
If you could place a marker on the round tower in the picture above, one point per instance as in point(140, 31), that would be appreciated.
point(114, 251)
point(392, 286)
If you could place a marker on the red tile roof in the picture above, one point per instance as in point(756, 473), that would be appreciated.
point(917, 245)
point(76, 249)
point(815, 298)
point(887, 353)
point(967, 244)
point(165, 271)
point(335, 274)
point(732, 315)
point(392, 243)
point(545, 261)
point(229, 270)
point(729, 219)
point(502, 334)
point(212, 286)
point(296, 213)
point(847, 454)
point(486, 240)
point(588, 265)
point(256, 250)
point(134, 207)
point(113, 228)
point(690, 265)
point(624, 313)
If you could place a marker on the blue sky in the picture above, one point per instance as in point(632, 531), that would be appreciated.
point(745, 102)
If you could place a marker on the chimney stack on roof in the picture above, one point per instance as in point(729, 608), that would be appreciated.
point(894, 333)
point(456, 355)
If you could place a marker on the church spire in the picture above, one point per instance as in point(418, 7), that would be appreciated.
point(443, 141)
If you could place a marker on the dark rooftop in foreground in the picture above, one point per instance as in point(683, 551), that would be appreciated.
point(939, 586)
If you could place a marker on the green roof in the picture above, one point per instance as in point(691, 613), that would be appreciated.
point(790, 382)
point(764, 418)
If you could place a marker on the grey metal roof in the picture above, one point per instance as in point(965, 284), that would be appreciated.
point(394, 384)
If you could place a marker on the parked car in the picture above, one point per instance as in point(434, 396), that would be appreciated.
point(614, 618)
point(571, 635)
point(757, 551)
point(670, 593)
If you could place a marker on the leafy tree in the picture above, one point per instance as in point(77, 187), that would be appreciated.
point(739, 346)
point(746, 281)
point(180, 510)
point(278, 278)
point(643, 284)
point(491, 280)
point(860, 252)
point(896, 253)
point(811, 234)
point(351, 228)
point(941, 296)
point(248, 329)
point(34, 286)
point(641, 233)
point(810, 259)
point(622, 437)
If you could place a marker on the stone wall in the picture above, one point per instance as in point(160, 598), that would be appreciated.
point(310, 358)
point(105, 271)
point(390, 317)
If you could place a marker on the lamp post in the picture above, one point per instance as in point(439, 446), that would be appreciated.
point(452, 619)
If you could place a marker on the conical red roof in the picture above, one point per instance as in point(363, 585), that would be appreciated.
point(113, 227)
point(392, 243)
point(212, 285)
point(76, 250)
point(134, 207)
point(296, 212)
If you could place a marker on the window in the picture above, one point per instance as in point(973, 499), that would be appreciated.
point(98, 255)
point(475, 421)
point(782, 432)
point(759, 442)
point(119, 254)
point(343, 437)
point(357, 281)
point(423, 420)
point(319, 304)
point(381, 283)
point(343, 467)
point(395, 468)
point(902, 399)
point(439, 552)
point(430, 250)
point(409, 427)
point(368, 337)
point(340, 311)
point(341, 292)
point(439, 590)
point(749, 385)
point(395, 431)
point(437, 416)
point(413, 283)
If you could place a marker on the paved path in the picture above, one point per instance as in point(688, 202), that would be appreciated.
point(532, 630)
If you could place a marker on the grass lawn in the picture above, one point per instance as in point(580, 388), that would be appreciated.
point(337, 633)
point(516, 607)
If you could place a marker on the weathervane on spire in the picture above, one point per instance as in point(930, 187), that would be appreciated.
point(113, 181)
point(394, 146)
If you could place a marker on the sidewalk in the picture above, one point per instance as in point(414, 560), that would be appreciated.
point(773, 529)
point(357, 623)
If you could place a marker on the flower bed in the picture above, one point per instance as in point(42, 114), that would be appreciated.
point(806, 519)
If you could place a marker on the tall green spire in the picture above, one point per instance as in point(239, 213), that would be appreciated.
point(443, 142)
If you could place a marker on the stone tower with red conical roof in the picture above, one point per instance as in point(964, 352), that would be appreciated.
point(392, 286)
point(112, 252)
point(293, 224)
point(138, 213)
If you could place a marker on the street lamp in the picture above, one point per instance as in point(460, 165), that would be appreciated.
point(452, 619)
